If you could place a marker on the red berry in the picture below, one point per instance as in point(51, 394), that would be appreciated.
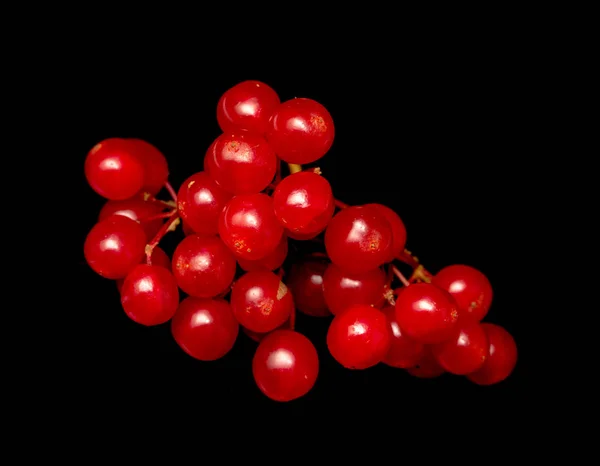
point(271, 262)
point(136, 209)
point(114, 246)
point(158, 257)
point(247, 106)
point(502, 357)
point(301, 131)
point(150, 295)
point(187, 230)
point(426, 313)
point(261, 302)
point(358, 239)
point(203, 266)
point(156, 169)
point(248, 226)
point(304, 203)
point(398, 229)
point(470, 288)
point(285, 365)
point(200, 202)
point(359, 337)
point(427, 367)
point(205, 328)
point(113, 171)
point(241, 162)
point(465, 352)
point(341, 289)
point(259, 336)
point(306, 283)
point(404, 352)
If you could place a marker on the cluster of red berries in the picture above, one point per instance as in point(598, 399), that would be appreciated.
point(239, 215)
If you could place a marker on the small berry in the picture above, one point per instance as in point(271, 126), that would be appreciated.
point(502, 357)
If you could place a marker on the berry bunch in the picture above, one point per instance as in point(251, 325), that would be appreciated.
point(240, 214)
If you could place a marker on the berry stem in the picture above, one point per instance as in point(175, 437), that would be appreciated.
point(400, 276)
point(407, 257)
point(341, 205)
point(172, 192)
point(420, 274)
point(158, 216)
point(294, 168)
point(169, 225)
point(150, 198)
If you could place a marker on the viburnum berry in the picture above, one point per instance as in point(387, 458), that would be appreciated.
point(502, 356)
point(270, 262)
point(306, 280)
point(397, 226)
point(156, 169)
point(404, 352)
point(465, 352)
point(158, 257)
point(136, 209)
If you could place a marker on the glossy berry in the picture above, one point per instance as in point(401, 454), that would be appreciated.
point(200, 201)
point(358, 239)
point(404, 352)
point(203, 266)
point(465, 352)
point(359, 337)
point(150, 295)
point(304, 203)
point(305, 279)
point(205, 328)
point(241, 162)
point(136, 209)
point(259, 336)
point(271, 262)
point(285, 365)
point(248, 226)
point(426, 313)
point(113, 171)
point(247, 106)
point(398, 229)
point(114, 246)
point(187, 230)
point(301, 131)
point(156, 169)
point(427, 367)
point(470, 288)
point(342, 289)
point(261, 302)
point(502, 357)
point(158, 257)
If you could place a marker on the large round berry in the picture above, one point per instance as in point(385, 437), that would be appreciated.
point(465, 352)
point(114, 246)
point(205, 328)
point(306, 282)
point(241, 162)
point(301, 131)
point(247, 106)
point(270, 262)
point(398, 229)
point(502, 357)
point(156, 169)
point(158, 257)
point(404, 351)
point(136, 209)
point(285, 365)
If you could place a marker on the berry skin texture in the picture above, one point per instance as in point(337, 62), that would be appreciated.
point(136, 209)
point(427, 367)
point(114, 246)
point(200, 201)
point(304, 203)
point(285, 365)
point(359, 337)
point(342, 289)
point(271, 262)
point(156, 169)
point(248, 226)
point(241, 162)
point(502, 357)
point(150, 295)
point(261, 302)
point(398, 229)
point(158, 257)
point(426, 313)
point(465, 352)
point(203, 266)
point(358, 239)
point(404, 352)
point(247, 106)
point(306, 282)
point(205, 328)
point(301, 131)
point(113, 171)
point(470, 288)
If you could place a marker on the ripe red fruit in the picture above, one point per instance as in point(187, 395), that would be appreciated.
point(470, 288)
point(427, 367)
point(306, 282)
point(248, 226)
point(359, 337)
point(205, 328)
point(259, 336)
point(200, 201)
point(158, 257)
point(113, 171)
point(465, 352)
point(502, 357)
point(426, 313)
point(114, 246)
point(136, 209)
point(301, 131)
point(271, 262)
point(404, 352)
point(156, 169)
point(285, 365)
point(247, 106)
point(342, 289)
point(398, 229)
point(261, 302)
point(241, 162)
point(203, 266)
point(150, 295)
point(358, 239)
